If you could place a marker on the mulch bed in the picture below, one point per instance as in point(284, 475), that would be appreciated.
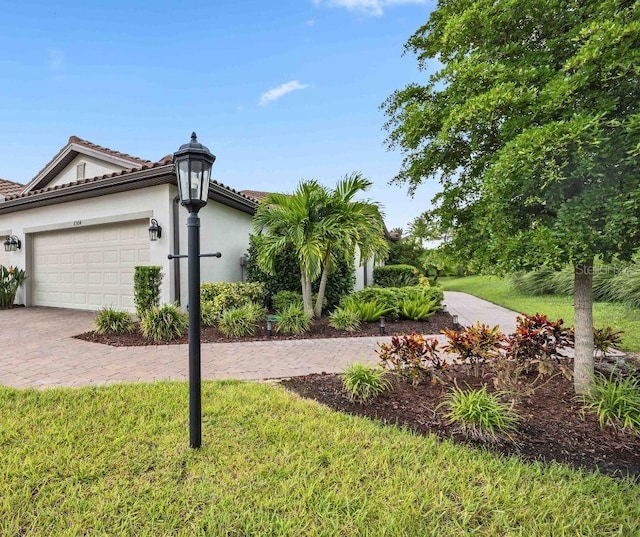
point(319, 329)
point(552, 427)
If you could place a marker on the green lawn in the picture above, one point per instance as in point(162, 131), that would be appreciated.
point(115, 461)
point(499, 291)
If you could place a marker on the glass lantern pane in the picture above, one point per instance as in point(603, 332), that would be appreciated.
point(196, 179)
point(206, 175)
point(183, 172)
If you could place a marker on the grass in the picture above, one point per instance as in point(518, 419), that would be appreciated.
point(499, 291)
point(115, 461)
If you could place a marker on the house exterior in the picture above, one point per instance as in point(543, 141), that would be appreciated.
point(83, 225)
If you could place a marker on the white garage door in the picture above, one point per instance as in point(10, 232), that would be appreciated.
point(90, 267)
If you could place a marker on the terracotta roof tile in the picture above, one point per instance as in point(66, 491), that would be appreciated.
point(257, 195)
point(118, 154)
point(10, 188)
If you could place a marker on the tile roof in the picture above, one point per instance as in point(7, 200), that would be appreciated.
point(10, 188)
point(113, 153)
point(255, 194)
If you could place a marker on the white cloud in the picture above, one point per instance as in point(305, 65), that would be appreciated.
point(279, 91)
point(374, 8)
point(311, 22)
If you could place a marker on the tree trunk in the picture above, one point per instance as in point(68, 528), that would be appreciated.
point(323, 285)
point(307, 299)
point(583, 304)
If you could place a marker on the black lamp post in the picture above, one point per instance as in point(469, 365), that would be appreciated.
point(193, 163)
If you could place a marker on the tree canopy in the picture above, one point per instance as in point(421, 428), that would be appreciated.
point(531, 125)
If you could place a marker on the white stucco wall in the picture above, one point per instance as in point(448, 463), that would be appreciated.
point(364, 273)
point(94, 168)
point(222, 229)
point(153, 202)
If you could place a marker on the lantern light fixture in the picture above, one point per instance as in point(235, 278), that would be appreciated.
point(193, 162)
point(12, 243)
point(383, 326)
point(155, 230)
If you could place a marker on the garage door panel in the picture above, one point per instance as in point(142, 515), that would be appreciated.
point(89, 268)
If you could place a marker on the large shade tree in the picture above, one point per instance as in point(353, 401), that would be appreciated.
point(320, 225)
point(531, 124)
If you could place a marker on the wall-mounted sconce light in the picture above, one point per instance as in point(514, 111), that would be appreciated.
point(383, 326)
point(155, 230)
point(11, 244)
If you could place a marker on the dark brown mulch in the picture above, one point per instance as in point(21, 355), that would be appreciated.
point(552, 427)
point(319, 329)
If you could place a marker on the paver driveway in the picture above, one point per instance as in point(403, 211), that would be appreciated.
point(38, 351)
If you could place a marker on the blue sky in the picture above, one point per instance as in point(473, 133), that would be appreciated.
point(279, 91)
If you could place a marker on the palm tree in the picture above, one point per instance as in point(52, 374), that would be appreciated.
point(350, 225)
point(292, 221)
point(320, 225)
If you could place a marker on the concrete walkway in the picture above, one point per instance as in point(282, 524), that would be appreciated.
point(37, 351)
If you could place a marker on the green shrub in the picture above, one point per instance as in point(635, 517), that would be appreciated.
point(11, 279)
point(615, 402)
point(479, 414)
point(146, 288)
point(393, 297)
point(396, 275)
point(113, 321)
point(344, 319)
point(164, 323)
point(363, 383)
point(241, 321)
point(412, 356)
point(283, 299)
point(625, 286)
point(286, 276)
point(417, 310)
point(293, 320)
point(534, 283)
point(229, 295)
point(367, 311)
point(208, 314)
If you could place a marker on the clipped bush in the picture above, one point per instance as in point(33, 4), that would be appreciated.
point(146, 288)
point(113, 321)
point(344, 319)
point(480, 415)
point(229, 295)
point(241, 321)
point(616, 402)
point(11, 279)
point(363, 382)
point(396, 275)
point(164, 323)
point(293, 320)
point(283, 299)
point(413, 357)
point(208, 313)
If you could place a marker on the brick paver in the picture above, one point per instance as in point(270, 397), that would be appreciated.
point(37, 351)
